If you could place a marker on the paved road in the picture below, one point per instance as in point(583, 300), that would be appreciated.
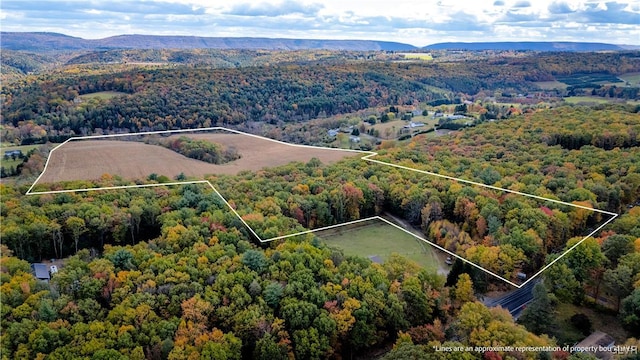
point(516, 300)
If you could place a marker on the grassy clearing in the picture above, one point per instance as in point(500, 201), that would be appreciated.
point(25, 148)
point(438, 133)
point(102, 95)
point(8, 163)
point(603, 322)
point(391, 128)
point(585, 99)
point(597, 100)
point(427, 120)
point(632, 78)
point(343, 141)
point(551, 85)
point(376, 238)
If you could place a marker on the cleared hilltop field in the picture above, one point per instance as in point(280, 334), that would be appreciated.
point(90, 159)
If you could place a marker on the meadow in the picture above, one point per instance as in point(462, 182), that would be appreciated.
point(378, 240)
point(102, 95)
point(587, 99)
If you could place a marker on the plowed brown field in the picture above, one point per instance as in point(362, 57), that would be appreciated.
point(90, 159)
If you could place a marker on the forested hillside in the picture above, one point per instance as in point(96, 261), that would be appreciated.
point(173, 98)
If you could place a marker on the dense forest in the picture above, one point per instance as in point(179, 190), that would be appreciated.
point(180, 276)
point(169, 272)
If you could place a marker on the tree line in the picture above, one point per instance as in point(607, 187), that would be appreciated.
point(202, 150)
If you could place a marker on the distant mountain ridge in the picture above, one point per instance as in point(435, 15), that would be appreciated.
point(526, 45)
point(43, 41)
point(52, 41)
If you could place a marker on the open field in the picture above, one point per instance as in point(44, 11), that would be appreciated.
point(394, 125)
point(587, 99)
point(25, 148)
point(417, 56)
point(428, 120)
point(90, 159)
point(550, 85)
point(598, 100)
point(632, 78)
point(103, 95)
point(376, 238)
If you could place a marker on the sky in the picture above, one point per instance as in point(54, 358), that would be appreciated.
point(415, 22)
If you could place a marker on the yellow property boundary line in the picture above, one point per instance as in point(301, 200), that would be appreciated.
point(367, 157)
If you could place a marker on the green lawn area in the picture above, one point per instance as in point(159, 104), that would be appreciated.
point(603, 322)
point(376, 238)
point(102, 95)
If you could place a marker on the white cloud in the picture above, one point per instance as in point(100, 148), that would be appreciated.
point(418, 22)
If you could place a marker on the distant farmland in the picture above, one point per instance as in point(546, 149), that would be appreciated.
point(90, 159)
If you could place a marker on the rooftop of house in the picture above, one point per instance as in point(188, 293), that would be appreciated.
point(597, 338)
point(597, 344)
point(41, 272)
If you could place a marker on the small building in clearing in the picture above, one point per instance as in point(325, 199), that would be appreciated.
point(333, 132)
point(40, 271)
point(16, 153)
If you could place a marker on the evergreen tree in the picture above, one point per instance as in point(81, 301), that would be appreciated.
point(538, 317)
